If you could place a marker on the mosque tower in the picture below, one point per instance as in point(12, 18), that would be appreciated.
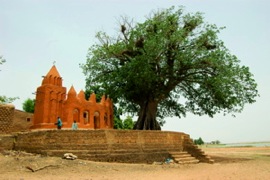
point(49, 100)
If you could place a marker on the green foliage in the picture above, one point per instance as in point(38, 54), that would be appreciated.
point(118, 124)
point(99, 92)
point(5, 100)
point(127, 123)
point(198, 141)
point(215, 142)
point(173, 59)
point(29, 105)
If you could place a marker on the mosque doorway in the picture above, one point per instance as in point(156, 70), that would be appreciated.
point(86, 117)
point(76, 115)
point(96, 120)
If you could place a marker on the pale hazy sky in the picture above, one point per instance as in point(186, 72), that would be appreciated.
point(34, 33)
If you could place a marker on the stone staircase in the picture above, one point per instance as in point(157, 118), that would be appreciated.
point(196, 152)
point(183, 158)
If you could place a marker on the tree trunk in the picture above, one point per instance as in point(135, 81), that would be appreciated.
point(147, 117)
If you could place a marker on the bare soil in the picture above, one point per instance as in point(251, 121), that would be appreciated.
point(242, 163)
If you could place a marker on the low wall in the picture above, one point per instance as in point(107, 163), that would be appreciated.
point(103, 145)
point(22, 121)
point(6, 118)
point(7, 142)
point(13, 120)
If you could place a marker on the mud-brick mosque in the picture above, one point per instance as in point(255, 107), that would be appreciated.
point(53, 101)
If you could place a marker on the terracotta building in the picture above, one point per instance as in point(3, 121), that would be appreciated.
point(52, 101)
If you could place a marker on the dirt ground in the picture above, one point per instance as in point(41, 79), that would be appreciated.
point(230, 163)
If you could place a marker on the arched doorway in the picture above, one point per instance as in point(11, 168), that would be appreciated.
point(76, 115)
point(86, 117)
point(106, 119)
point(96, 120)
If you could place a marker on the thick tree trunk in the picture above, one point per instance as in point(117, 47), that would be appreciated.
point(147, 117)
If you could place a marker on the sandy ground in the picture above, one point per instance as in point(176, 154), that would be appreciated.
point(230, 163)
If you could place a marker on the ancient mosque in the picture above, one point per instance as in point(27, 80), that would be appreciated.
point(52, 101)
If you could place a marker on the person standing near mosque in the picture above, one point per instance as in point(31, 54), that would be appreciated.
point(74, 125)
point(59, 123)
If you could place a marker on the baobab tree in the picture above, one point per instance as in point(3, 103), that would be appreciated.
point(170, 64)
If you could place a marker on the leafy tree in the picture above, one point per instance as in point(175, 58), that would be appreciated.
point(5, 100)
point(118, 124)
point(198, 141)
point(94, 89)
point(215, 142)
point(128, 123)
point(171, 64)
point(29, 105)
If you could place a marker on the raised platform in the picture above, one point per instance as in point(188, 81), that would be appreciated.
point(128, 146)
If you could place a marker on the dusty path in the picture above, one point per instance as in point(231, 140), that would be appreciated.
point(231, 163)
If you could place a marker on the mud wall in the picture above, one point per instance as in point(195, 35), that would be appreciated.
point(6, 118)
point(7, 142)
point(13, 120)
point(103, 145)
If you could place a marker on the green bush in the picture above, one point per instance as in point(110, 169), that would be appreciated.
point(198, 141)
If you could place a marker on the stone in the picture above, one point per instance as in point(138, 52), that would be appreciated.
point(69, 156)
